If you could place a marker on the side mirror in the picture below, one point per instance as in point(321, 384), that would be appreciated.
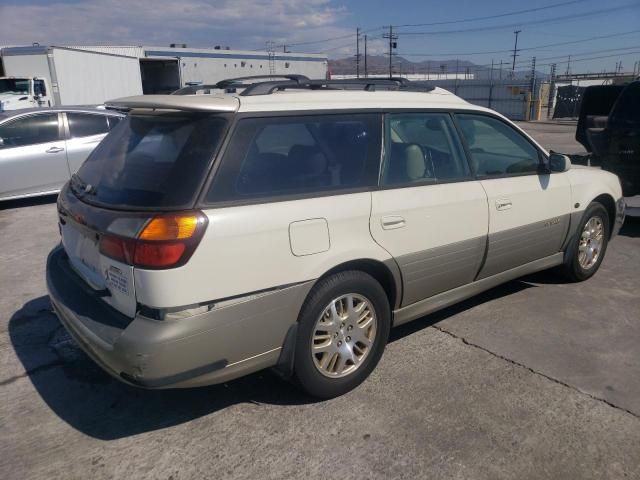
point(559, 162)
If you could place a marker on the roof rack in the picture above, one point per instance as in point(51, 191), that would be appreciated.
point(300, 82)
point(238, 81)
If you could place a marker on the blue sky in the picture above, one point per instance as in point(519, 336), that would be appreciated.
point(249, 24)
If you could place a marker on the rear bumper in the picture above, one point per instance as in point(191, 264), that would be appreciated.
point(224, 343)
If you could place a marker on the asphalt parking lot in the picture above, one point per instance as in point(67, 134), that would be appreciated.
point(534, 379)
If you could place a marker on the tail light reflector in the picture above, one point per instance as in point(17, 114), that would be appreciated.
point(166, 241)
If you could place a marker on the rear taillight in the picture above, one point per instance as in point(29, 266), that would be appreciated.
point(166, 241)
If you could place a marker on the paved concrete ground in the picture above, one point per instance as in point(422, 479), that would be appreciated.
point(533, 379)
point(557, 136)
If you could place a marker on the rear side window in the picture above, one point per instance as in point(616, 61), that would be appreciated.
point(85, 124)
point(151, 161)
point(496, 148)
point(626, 111)
point(423, 147)
point(31, 130)
point(280, 156)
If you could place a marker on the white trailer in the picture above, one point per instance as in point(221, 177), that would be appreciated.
point(75, 77)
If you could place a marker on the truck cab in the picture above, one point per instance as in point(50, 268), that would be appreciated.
point(17, 93)
point(609, 128)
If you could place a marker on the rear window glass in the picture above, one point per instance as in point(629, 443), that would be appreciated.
point(270, 157)
point(151, 161)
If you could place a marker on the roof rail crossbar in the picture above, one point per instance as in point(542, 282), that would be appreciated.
point(239, 81)
point(369, 84)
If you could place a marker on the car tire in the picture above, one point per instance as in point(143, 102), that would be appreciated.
point(343, 329)
point(589, 245)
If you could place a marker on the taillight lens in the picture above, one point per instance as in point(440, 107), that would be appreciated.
point(166, 241)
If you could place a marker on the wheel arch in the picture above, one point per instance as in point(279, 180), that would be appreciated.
point(386, 273)
point(609, 204)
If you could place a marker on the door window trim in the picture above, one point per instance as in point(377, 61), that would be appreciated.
point(61, 137)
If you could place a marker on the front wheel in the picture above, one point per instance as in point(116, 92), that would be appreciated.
point(343, 329)
point(586, 252)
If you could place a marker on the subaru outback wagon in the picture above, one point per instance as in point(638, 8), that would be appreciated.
point(291, 223)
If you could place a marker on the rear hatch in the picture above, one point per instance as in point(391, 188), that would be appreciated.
point(131, 203)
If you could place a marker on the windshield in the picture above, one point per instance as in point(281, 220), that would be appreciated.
point(151, 161)
point(17, 86)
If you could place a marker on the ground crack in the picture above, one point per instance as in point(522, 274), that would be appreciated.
point(535, 372)
point(33, 371)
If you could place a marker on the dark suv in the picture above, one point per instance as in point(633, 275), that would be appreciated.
point(609, 128)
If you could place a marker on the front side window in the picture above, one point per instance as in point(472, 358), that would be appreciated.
point(496, 148)
point(298, 155)
point(31, 130)
point(422, 147)
point(86, 124)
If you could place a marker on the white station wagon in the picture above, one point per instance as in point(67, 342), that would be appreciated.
point(291, 223)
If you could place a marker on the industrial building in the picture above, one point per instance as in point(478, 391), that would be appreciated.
point(99, 71)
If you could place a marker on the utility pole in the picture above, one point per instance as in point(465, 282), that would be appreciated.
point(393, 44)
point(568, 72)
point(532, 87)
point(491, 84)
point(500, 69)
point(366, 73)
point(552, 90)
point(455, 89)
point(515, 54)
point(358, 52)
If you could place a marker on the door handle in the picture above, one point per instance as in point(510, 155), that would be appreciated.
point(391, 222)
point(503, 204)
point(54, 150)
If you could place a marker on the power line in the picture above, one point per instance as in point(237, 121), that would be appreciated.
point(599, 37)
point(551, 20)
point(499, 15)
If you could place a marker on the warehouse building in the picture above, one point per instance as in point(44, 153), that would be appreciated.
point(147, 69)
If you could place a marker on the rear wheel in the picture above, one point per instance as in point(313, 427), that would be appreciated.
point(588, 248)
point(344, 326)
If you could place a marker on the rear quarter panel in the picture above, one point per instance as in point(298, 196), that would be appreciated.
point(248, 248)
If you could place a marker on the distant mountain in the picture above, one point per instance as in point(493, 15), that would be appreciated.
point(379, 64)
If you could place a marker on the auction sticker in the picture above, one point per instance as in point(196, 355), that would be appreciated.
point(117, 280)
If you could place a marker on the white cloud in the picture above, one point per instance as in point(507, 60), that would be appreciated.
point(237, 23)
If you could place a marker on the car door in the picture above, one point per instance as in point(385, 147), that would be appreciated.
point(84, 132)
point(429, 214)
point(32, 155)
point(528, 207)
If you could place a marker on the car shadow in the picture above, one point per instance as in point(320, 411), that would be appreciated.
point(91, 401)
point(631, 227)
point(28, 202)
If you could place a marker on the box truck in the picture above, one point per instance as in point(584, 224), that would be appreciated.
point(50, 76)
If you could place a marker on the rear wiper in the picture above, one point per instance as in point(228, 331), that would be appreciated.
point(80, 187)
